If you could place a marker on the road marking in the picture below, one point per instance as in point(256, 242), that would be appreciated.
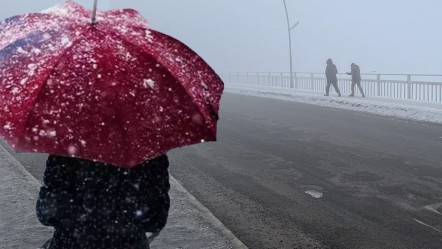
point(422, 223)
point(314, 193)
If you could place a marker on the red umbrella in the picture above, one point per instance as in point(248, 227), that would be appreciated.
point(113, 90)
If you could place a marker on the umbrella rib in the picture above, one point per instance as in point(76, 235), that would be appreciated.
point(146, 52)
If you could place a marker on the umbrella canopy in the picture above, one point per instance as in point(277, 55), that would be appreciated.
point(115, 91)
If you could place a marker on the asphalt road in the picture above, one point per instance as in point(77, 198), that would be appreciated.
point(380, 178)
point(290, 175)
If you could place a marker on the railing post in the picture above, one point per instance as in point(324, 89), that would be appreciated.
point(428, 90)
point(378, 85)
point(270, 80)
point(281, 79)
point(291, 80)
point(311, 82)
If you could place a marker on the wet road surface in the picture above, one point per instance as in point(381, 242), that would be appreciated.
point(290, 175)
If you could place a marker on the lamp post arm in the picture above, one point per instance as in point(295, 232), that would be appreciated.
point(294, 25)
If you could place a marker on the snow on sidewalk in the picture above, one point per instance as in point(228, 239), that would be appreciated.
point(399, 108)
point(19, 227)
point(190, 224)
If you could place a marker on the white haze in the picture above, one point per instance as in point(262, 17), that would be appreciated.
point(396, 36)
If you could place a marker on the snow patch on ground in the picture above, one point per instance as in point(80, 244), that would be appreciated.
point(399, 108)
point(314, 193)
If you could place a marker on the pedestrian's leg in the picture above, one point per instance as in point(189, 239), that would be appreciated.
point(335, 85)
point(327, 87)
point(352, 89)
point(360, 89)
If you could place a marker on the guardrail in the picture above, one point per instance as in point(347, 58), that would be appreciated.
point(423, 87)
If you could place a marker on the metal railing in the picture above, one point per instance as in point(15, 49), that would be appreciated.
point(423, 87)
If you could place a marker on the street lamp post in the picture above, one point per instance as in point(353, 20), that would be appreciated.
point(289, 29)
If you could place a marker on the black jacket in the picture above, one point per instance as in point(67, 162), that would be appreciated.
point(94, 205)
point(331, 71)
point(355, 73)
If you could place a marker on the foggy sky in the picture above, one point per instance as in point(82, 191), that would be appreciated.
point(395, 36)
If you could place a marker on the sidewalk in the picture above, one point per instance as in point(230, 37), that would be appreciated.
point(398, 108)
point(190, 224)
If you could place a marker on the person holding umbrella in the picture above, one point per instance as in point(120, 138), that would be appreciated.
point(94, 205)
point(106, 100)
point(330, 74)
point(355, 79)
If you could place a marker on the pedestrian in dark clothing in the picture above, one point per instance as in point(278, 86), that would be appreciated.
point(93, 205)
point(330, 74)
point(355, 79)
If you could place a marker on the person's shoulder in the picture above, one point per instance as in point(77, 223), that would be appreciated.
point(162, 159)
point(56, 159)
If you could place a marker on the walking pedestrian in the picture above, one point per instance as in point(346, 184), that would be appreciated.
point(330, 74)
point(355, 79)
point(93, 205)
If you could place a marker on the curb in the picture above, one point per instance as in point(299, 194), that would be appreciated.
point(209, 215)
point(190, 225)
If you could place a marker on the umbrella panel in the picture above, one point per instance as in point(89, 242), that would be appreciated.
point(109, 101)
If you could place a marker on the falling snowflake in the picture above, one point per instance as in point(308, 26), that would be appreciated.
point(47, 36)
point(136, 186)
point(15, 90)
point(51, 133)
point(149, 35)
point(36, 51)
point(21, 51)
point(65, 41)
point(7, 126)
point(149, 83)
point(31, 68)
point(196, 118)
point(72, 150)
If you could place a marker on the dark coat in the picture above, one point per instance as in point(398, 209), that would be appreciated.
point(355, 73)
point(94, 205)
point(331, 71)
